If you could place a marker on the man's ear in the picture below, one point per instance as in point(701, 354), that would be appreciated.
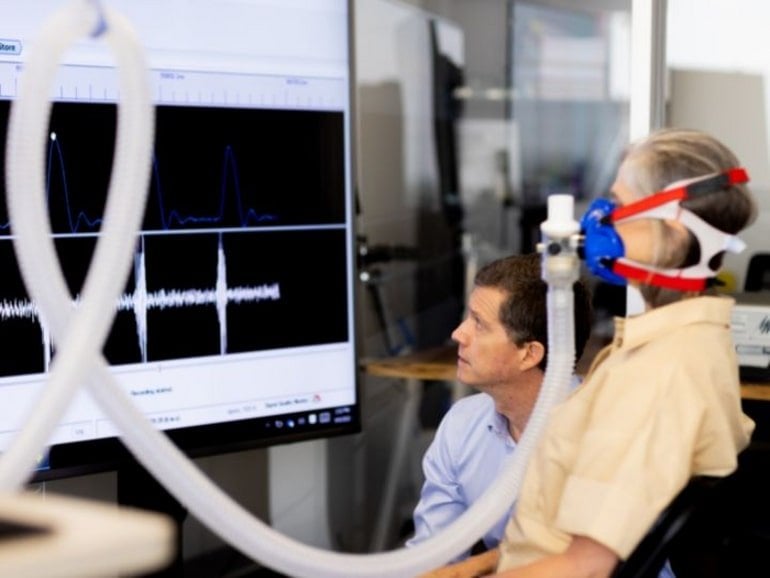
point(534, 354)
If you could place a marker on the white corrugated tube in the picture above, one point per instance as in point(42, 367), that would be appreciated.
point(79, 333)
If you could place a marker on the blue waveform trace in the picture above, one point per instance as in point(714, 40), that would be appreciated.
point(54, 149)
point(80, 220)
point(82, 217)
point(246, 218)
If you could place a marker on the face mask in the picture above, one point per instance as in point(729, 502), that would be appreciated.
point(604, 251)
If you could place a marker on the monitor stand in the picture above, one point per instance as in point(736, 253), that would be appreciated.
point(137, 488)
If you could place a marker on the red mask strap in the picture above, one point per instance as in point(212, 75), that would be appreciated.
point(648, 277)
point(691, 190)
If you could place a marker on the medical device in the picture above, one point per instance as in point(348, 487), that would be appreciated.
point(603, 247)
point(750, 326)
point(80, 331)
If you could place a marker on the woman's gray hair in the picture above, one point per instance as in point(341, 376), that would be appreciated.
point(670, 155)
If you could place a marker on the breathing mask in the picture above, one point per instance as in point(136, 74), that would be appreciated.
point(605, 253)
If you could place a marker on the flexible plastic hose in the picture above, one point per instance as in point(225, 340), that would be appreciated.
point(80, 337)
point(78, 343)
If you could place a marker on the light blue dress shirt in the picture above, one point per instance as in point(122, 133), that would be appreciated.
point(469, 449)
point(467, 453)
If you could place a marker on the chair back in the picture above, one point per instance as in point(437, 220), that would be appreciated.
point(651, 553)
point(758, 273)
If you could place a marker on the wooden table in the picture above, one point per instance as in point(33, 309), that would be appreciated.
point(440, 364)
point(757, 391)
point(436, 364)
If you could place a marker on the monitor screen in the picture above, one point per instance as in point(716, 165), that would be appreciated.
point(236, 327)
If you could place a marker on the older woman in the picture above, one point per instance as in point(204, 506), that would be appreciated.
point(662, 401)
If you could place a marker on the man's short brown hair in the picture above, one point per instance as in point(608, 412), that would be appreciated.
point(523, 312)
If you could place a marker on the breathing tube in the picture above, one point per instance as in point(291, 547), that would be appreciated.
point(79, 332)
point(78, 338)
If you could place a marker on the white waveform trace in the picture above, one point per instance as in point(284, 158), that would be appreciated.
point(167, 299)
point(18, 309)
point(162, 299)
point(141, 301)
point(221, 289)
point(140, 298)
point(270, 292)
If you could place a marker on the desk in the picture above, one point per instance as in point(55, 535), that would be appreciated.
point(437, 364)
point(440, 364)
point(755, 391)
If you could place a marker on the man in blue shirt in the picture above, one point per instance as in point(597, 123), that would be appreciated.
point(502, 353)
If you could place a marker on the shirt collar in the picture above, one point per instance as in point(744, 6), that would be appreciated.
point(498, 424)
point(634, 331)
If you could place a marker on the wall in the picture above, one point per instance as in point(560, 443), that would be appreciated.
point(718, 83)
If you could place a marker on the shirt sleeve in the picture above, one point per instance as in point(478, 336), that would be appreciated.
point(441, 499)
point(635, 456)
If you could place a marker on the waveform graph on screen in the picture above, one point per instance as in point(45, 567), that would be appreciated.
point(222, 168)
point(180, 321)
point(24, 336)
point(77, 171)
point(212, 168)
point(195, 295)
point(242, 247)
point(79, 160)
point(234, 292)
point(21, 333)
point(309, 267)
point(75, 253)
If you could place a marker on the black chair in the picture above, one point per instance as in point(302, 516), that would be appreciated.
point(715, 527)
point(650, 554)
point(758, 273)
point(647, 559)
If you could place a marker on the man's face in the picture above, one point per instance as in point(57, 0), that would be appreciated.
point(486, 356)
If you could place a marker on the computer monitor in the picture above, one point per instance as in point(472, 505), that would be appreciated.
point(236, 327)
